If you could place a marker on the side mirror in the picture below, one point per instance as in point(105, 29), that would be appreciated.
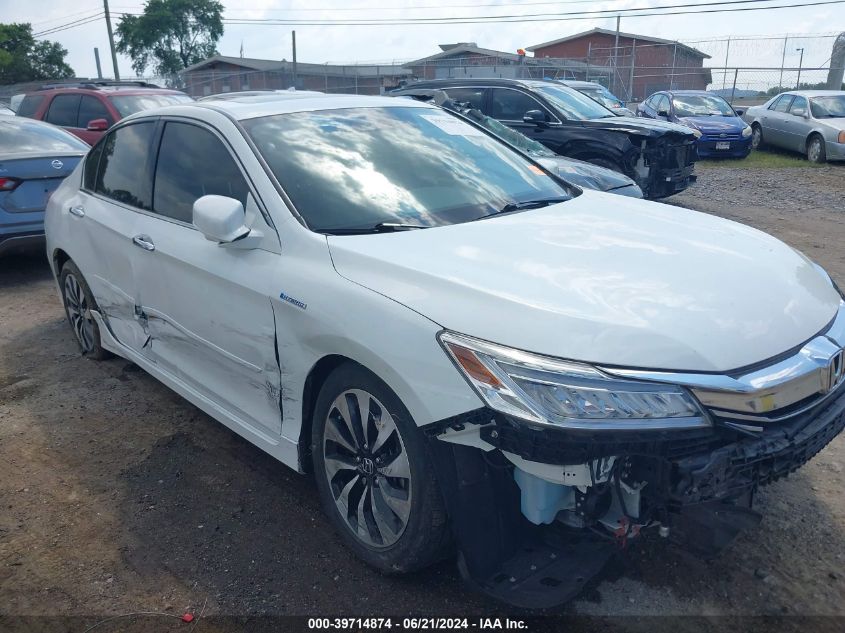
point(663, 113)
point(801, 112)
point(220, 219)
point(98, 125)
point(739, 111)
point(534, 116)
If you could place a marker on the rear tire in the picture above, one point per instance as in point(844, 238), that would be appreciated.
point(374, 474)
point(816, 150)
point(78, 302)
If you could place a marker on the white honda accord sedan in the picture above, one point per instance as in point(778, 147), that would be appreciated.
point(472, 356)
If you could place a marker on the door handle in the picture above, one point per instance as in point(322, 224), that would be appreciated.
point(77, 210)
point(144, 241)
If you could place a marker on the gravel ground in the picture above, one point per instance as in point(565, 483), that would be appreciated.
point(118, 496)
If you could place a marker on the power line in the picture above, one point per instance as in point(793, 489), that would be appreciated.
point(70, 25)
point(63, 17)
point(506, 19)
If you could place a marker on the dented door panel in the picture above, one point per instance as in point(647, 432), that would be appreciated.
point(208, 321)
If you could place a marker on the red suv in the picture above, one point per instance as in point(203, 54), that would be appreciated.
point(88, 109)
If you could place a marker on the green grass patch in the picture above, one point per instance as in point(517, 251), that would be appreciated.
point(761, 159)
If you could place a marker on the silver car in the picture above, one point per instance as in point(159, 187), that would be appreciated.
point(808, 121)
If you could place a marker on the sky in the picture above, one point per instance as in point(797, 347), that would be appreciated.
point(349, 44)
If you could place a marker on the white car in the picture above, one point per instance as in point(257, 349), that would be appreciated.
point(468, 353)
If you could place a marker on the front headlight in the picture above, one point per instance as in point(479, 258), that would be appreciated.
point(746, 131)
point(567, 394)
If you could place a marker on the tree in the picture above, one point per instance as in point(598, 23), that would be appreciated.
point(171, 34)
point(22, 58)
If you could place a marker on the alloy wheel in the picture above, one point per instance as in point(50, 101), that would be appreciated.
point(79, 312)
point(814, 150)
point(367, 468)
point(756, 137)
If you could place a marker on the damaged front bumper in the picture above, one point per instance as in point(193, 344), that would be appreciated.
point(587, 492)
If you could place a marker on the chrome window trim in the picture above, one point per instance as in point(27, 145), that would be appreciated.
point(760, 393)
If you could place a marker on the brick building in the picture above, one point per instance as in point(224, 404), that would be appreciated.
point(643, 64)
point(466, 60)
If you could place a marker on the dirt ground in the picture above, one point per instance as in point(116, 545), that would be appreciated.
point(118, 496)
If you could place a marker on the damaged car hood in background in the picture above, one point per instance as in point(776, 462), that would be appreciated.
point(604, 279)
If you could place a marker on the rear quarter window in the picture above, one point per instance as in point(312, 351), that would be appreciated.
point(29, 105)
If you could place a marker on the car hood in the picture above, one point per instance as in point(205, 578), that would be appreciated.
point(714, 124)
point(638, 125)
point(837, 123)
point(603, 279)
point(586, 174)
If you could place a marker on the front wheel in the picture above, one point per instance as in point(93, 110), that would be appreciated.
point(78, 303)
point(756, 136)
point(375, 478)
point(816, 149)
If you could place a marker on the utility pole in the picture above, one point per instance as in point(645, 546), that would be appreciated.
point(293, 40)
point(800, 64)
point(782, 63)
point(725, 74)
point(97, 59)
point(616, 54)
point(111, 40)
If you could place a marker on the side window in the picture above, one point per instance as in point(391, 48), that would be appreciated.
point(91, 108)
point(473, 96)
point(193, 162)
point(511, 105)
point(124, 154)
point(651, 102)
point(29, 105)
point(799, 106)
point(662, 103)
point(92, 162)
point(63, 110)
point(782, 104)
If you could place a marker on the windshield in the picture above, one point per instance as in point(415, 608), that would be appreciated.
point(130, 104)
point(24, 135)
point(355, 168)
point(510, 135)
point(701, 105)
point(828, 107)
point(603, 96)
point(572, 104)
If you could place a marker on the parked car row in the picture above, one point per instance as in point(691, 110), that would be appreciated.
point(659, 156)
point(471, 354)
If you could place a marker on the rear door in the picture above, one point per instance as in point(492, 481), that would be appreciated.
point(64, 112)
point(117, 185)
point(774, 121)
point(205, 308)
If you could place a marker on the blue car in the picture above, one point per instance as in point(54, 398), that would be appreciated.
point(34, 159)
point(720, 131)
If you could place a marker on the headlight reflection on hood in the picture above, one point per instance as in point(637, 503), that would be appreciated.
point(566, 394)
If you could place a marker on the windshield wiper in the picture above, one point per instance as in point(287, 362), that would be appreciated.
point(381, 227)
point(510, 207)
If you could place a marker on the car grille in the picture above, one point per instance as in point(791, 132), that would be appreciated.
point(733, 136)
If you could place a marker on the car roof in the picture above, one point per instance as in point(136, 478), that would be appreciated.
point(244, 108)
point(264, 94)
point(816, 93)
point(109, 90)
point(580, 84)
point(482, 82)
point(691, 92)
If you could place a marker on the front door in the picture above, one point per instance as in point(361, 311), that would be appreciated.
point(206, 308)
